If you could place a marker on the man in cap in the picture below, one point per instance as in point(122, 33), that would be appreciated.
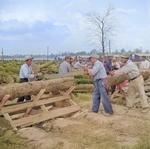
point(144, 63)
point(100, 93)
point(25, 74)
point(136, 83)
point(65, 67)
point(108, 65)
point(77, 64)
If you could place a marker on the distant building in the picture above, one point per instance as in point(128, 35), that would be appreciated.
point(136, 57)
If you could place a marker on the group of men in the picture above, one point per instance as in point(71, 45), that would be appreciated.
point(99, 73)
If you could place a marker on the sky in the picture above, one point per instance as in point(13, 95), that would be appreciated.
point(29, 26)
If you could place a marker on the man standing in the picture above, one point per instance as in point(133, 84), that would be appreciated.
point(100, 93)
point(77, 64)
point(26, 74)
point(136, 83)
point(108, 65)
point(144, 63)
point(65, 67)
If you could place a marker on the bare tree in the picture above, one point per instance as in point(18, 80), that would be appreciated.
point(101, 27)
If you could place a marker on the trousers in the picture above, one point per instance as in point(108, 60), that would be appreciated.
point(136, 85)
point(100, 94)
point(28, 97)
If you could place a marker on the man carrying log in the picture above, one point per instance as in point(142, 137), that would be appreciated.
point(136, 83)
point(65, 67)
point(100, 93)
point(26, 73)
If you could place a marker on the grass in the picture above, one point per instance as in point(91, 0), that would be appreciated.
point(144, 133)
point(82, 97)
point(10, 140)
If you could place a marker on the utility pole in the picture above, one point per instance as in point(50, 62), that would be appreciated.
point(109, 47)
point(2, 55)
point(47, 52)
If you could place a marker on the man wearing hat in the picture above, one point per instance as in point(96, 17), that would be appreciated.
point(108, 65)
point(136, 83)
point(77, 64)
point(65, 67)
point(26, 74)
point(100, 93)
point(144, 63)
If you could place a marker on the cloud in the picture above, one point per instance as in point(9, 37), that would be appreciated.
point(121, 10)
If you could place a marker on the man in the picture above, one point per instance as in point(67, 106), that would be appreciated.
point(77, 64)
point(144, 63)
point(108, 65)
point(136, 83)
point(65, 67)
point(100, 93)
point(26, 73)
point(115, 64)
point(109, 68)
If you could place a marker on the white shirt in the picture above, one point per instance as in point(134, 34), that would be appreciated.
point(77, 65)
point(117, 65)
point(129, 68)
point(145, 64)
point(26, 72)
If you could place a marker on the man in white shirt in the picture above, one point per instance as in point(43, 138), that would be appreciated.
point(136, 83)
point(26, 74)
point(144, 63)
point(77, 64)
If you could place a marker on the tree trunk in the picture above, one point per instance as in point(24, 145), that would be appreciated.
point(117, 79)
point(32, 88)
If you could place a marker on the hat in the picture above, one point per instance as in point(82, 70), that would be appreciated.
point(27, 57)
point(125, 56)
point(68, 57)
point(94, 55)
point(110, 55)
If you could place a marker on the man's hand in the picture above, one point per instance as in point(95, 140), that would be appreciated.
point(86, 68)
point(112, 73)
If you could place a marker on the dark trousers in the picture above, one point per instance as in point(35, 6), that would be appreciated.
point(100, 94)
point(28, 97)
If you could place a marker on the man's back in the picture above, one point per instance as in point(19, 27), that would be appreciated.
point(64, 67)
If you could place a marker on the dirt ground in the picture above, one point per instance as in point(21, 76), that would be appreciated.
point(124, 129)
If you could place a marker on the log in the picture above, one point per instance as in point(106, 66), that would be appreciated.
point(31, 88)
point(117, 79)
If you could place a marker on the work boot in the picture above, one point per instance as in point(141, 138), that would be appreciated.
point(145, 110)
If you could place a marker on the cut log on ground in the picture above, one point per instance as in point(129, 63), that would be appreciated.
point(31, 88)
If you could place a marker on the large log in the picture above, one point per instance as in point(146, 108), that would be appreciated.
point(31, 88)
point(117, 79)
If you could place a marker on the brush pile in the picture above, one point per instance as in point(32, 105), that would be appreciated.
point(9, 71)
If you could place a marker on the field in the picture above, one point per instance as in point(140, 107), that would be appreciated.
point(123, 130)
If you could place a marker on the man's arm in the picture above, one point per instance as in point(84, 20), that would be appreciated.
point(69, 68)
point(95, 69)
